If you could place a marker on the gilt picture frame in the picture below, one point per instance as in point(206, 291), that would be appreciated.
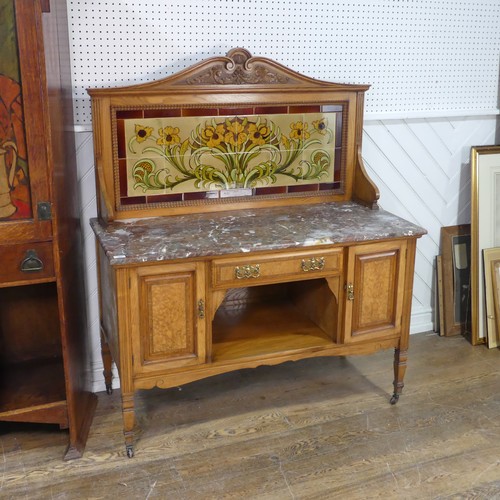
point(485, 228)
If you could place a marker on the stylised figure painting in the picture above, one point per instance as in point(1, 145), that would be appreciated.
point(14, 183)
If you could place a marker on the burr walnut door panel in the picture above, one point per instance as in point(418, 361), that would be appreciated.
point(169, 328)
point(374, 290)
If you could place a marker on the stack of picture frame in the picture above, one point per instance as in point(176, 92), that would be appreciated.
point(468, 269)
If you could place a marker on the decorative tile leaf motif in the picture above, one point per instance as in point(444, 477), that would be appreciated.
point(212, 153)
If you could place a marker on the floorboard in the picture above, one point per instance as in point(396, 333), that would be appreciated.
point(315, 429)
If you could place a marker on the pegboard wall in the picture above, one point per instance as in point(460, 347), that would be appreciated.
point(422, 57)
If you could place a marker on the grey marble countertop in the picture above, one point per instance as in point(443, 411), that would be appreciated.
point(265, 229)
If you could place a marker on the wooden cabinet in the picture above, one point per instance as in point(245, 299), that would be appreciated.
point(238, 227)
point(171, 323)
point(42, 307)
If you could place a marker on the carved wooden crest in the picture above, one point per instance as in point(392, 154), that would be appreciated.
point(239, 68)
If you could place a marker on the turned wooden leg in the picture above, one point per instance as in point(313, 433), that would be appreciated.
point(400, 358)
point(107, 362)
point(128, 422)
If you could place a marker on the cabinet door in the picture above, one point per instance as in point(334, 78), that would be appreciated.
point(168, 324)
point(374, 290)
point(24, 125)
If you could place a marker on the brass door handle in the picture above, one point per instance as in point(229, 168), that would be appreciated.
point(313, 264)
point(31, 262)
point(350, 291)
point(246, 272)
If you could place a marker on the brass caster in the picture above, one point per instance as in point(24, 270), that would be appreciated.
point(130, 450)
point(394, 399)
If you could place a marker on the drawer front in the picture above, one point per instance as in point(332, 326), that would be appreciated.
point(254, 270)
point(26, 262)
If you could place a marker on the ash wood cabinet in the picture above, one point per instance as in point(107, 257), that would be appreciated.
point(42, 306)
point(238, 227)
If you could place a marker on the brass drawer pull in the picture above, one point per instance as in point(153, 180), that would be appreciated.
point(313, 264)
point(31, 262)
point(246, 272)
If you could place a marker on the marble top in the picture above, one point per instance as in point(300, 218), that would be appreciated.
point(251, 230)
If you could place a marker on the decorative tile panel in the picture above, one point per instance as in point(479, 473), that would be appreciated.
point(188, 154)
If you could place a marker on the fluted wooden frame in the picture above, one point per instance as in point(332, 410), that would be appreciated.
point(495, 278)
point(490, 256)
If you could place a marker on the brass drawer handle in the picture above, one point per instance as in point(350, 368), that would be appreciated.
point(246, 272)
point(313, 264)
point(31, 262)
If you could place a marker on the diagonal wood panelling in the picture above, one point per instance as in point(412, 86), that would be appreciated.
point(421, 167)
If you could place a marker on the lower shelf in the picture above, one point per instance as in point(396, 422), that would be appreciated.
point(260, 329)
point(34, 392)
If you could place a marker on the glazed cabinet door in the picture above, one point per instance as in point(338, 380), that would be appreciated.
point(167, 317)
point(374, 290)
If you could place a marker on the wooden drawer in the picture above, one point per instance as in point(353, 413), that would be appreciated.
point(26, 262)
point(273, 268)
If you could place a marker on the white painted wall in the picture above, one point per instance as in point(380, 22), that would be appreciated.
point(433, 67)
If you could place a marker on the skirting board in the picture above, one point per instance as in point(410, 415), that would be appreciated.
point(421, 320)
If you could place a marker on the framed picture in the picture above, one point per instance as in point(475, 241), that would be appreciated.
point(439, 302)
point(491, 255)
point(485, 228)
point(495, 278)
point(456, 260)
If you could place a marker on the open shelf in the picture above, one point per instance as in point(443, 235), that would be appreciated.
point(29, 385)
point(32, 381)
point(272, 319)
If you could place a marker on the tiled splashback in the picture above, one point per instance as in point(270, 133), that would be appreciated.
point(182, 154)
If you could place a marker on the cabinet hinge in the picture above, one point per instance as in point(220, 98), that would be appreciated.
point(201, 309)
point(44, 210)
point(45, 4)
point(349, 288)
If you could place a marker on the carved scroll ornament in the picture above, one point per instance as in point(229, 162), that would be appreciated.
point(239, 68)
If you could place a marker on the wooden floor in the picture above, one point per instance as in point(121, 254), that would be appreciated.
point(315, 429)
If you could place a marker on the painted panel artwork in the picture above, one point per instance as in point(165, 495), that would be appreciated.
point(189, 154)
point(14, 182)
